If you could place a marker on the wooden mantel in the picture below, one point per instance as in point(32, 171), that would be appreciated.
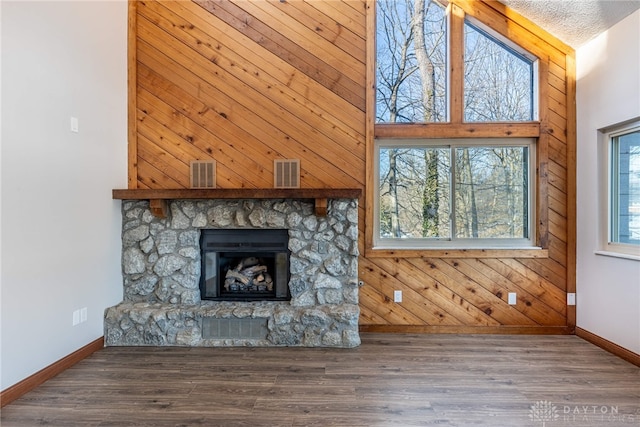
point(158, 198)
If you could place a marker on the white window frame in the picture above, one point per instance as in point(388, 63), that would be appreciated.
point(456, 243)
point(607, 171)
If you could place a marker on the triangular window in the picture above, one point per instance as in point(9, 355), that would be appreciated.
point(498, 80)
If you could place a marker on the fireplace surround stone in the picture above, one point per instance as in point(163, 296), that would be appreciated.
point(161, 271)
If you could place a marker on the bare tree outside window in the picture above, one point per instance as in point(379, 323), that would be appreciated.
point(402, 212)
point(491, 192)
point(498, 82)
point(490, 187)
point(411, 86)
point(410, 61)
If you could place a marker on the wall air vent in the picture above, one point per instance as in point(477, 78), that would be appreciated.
point(203, 174)
point(250, 329)
point(286, 173)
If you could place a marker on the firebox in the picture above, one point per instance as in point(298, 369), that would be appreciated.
point(244, 265)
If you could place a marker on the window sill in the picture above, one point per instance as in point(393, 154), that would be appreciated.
point(618, 255)
point(458, 253)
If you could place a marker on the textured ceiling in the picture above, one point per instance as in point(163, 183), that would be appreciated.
point(575, 22)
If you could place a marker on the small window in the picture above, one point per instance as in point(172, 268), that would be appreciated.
point(624, 190)
point(454, 193)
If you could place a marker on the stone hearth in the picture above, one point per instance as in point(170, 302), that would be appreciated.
point(161, 267)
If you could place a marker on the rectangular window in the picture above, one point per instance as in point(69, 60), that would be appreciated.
point(411, 62)
point(454, 193)
point(624, 190)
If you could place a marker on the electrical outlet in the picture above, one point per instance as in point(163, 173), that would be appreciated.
point(513, 299)
point(571, 299)
point(397, 296)
point(83, 314)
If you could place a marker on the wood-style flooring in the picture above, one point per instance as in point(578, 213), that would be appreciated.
point(390, 380)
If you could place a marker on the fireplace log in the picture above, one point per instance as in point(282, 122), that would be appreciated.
point(253, 271)
point(235, 275)
point(247, 275)
point(247, 262)
point(268, 281)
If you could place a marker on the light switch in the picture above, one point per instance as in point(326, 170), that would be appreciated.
point(74, 124)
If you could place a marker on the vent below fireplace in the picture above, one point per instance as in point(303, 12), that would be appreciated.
point(246, 265)
point(233, 328)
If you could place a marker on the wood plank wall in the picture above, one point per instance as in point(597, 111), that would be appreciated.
point(247, 82)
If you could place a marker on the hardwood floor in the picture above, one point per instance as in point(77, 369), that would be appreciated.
point(390, 380)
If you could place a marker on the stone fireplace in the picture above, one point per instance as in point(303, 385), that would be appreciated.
point(166, 301)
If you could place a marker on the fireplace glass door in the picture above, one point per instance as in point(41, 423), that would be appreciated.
point(246, 265)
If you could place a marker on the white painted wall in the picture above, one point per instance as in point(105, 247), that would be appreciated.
point(60, 229)
point(608, 93)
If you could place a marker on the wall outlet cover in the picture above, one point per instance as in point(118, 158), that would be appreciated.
point(397, 296)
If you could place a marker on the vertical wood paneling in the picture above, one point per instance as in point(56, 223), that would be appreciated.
point(370, 86)
point(455, 15)
point(542, 147)
point(245, 83)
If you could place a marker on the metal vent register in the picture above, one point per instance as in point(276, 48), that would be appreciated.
point(214, 328)
point(203, 174)
point(286, 173)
